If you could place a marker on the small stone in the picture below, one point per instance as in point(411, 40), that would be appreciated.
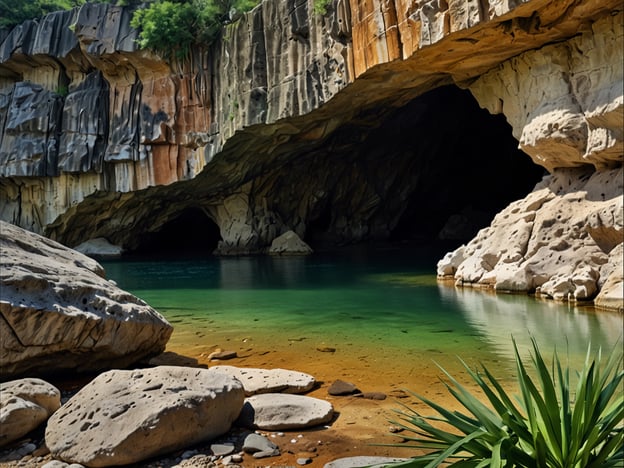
point(303, 461)
point(267, 453)
point(237, 458)
point(257, 443)
point(188, 454)
point(26, 449)
point(55, 464)
point(372, 395)
point(340, 387)
point(326, 349)
point(221, 450)
point(222, 355)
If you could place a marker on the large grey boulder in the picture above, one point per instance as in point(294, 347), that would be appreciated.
point(124, 417)
point(58, 312)
point(24, 405)
point(257, 381)
point(279, 411)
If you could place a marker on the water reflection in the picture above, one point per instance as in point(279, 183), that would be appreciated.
point(568, 329)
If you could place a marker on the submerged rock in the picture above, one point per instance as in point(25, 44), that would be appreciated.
point(123, 417)
point(58, 312)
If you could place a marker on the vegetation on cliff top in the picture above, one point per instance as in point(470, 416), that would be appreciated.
point(169, 27)
point(14, 12)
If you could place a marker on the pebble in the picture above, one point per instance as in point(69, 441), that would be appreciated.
point(303, 461)
point(221, 450)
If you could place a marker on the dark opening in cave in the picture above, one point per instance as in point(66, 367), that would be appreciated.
point(441, 166)
point(192, 231)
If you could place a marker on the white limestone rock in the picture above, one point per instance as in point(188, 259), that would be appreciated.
point(99, 247)
point(24, 405)
point(257, 381)
point(576, 118)
point(555, 241)
point(611, 281)
point(57, 312)
point(279, 411)
point(124, 417)
point(289, 243)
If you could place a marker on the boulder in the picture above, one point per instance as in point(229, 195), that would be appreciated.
point(24, 405)
point(124, 417)
point(278, 411)
point(99, 247)
point(611, 294)
point(289, 243)
point(257, 381)
point(556, 241)
point(58, 312)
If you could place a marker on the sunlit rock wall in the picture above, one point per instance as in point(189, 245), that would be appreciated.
point(566, 106)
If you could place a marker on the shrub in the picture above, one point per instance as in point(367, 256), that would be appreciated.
point(320, 6)
point(551, 425)
point(171, 28)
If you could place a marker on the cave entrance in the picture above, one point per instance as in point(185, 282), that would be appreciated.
point(437, 169)
point(190, 232)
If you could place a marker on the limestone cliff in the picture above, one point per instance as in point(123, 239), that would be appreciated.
point(268, 130)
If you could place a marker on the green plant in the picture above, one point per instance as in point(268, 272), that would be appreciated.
point(551, 425)
point(320, 6)
point(173, 27)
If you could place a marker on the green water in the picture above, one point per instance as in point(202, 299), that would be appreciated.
point(385, 302)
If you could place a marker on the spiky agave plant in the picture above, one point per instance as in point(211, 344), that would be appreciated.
point(549, 425)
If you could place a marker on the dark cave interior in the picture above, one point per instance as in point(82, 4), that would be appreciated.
point(442, 166)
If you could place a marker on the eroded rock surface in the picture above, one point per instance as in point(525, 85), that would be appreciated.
point(555, 241)
point(269, 380)
point(58, 312)
point(124, 417)
point(24, 405)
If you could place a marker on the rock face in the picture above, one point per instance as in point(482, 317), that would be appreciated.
point(57, 312)
point(123, 417)
point(24, 405)
point(556, 241)
point(269, 130)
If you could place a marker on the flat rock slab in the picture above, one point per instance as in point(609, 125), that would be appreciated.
point(362, 461)
point(279, 411)
point(24, 405)
point(124, 417)
point(257, 381)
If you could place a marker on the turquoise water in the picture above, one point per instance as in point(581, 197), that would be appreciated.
point(384, 302)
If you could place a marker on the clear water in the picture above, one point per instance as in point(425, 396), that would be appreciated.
point(378, 308)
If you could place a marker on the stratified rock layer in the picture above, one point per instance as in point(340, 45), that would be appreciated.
point(265, 131)
point(57, 312)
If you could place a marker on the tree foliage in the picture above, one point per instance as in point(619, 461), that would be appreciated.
point(172, 27)
point(14, 12)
